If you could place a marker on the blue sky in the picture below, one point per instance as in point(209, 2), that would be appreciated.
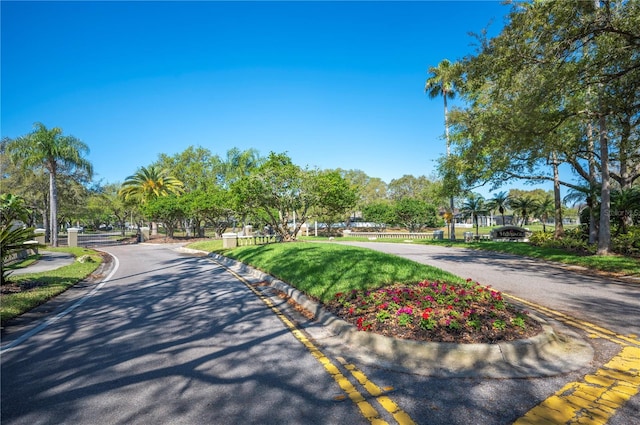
point(333, 84)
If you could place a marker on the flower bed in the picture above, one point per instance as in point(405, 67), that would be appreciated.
point(435, 311)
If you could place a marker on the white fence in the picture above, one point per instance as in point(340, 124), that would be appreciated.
point(257, 240)
point(437, 234)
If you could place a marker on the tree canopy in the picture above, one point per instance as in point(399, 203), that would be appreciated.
point(559, 85)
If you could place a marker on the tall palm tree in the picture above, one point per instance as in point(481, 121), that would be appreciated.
point(472, 207)
point(500, 202)
point(149, 183)
point(442, 82)
point(51, 150)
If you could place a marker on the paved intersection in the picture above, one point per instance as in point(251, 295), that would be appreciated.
point(181, 312)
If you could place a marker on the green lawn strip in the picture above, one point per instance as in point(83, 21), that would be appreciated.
point(214, 245)
point(322, 270)
point(46, 285)
point(611, 263)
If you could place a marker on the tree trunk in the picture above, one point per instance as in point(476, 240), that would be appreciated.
point(453, 221)
point(452, 234)
point(53, 218)
point(559, 230)
point(45, 225)
point(604, 232)
point(593, 226)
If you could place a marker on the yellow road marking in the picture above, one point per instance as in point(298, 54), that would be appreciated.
point(367, 410)
point(594, 400)
point(389, 405)
point(595, 330)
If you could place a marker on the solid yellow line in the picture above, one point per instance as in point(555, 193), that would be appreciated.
point(580, 324)
point(367, 410)
point(596, 399)
point(389, 405)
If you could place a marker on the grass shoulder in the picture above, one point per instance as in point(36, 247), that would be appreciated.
point(23, 292)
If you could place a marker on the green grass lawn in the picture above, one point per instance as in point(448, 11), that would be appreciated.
point(214, 245)
point(46, 285)
point(322, 270)
point(612, 263)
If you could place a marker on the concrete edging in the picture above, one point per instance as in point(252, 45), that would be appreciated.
point(547, 354)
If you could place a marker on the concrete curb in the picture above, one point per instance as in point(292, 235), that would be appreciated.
point(547, 354)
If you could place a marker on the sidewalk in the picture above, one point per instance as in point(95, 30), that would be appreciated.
point(49, 260)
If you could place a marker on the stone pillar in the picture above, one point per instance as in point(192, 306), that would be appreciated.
point(40, 235)
point(72, 238)
point(145, 234)
point(229, 240)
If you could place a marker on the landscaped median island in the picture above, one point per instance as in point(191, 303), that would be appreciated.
point(392, 296)
point(22, 293)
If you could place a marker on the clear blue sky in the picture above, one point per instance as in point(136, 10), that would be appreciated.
point(334, 84)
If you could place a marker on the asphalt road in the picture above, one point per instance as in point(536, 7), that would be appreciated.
point(175, 339)
point(169, 339)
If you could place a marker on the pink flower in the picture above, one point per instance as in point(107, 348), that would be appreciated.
point(405, 310)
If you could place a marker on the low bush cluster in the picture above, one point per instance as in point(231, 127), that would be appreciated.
point(627, 243)
point(576, 240)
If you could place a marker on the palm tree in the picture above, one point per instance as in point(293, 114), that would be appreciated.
point(590, 196)
point(149, 183)
point(543, 209)
point(500, 202)
point(524, 206)
point(51, 150)
point(472, 207)
point(442, 82)
point(625, 203)
point(238, 164)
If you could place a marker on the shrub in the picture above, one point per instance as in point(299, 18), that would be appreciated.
point(574, 240)
point(627, 243)
point(540, 238)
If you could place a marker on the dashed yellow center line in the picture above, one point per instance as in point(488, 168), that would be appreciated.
point(594, 400)
point(366, 408)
